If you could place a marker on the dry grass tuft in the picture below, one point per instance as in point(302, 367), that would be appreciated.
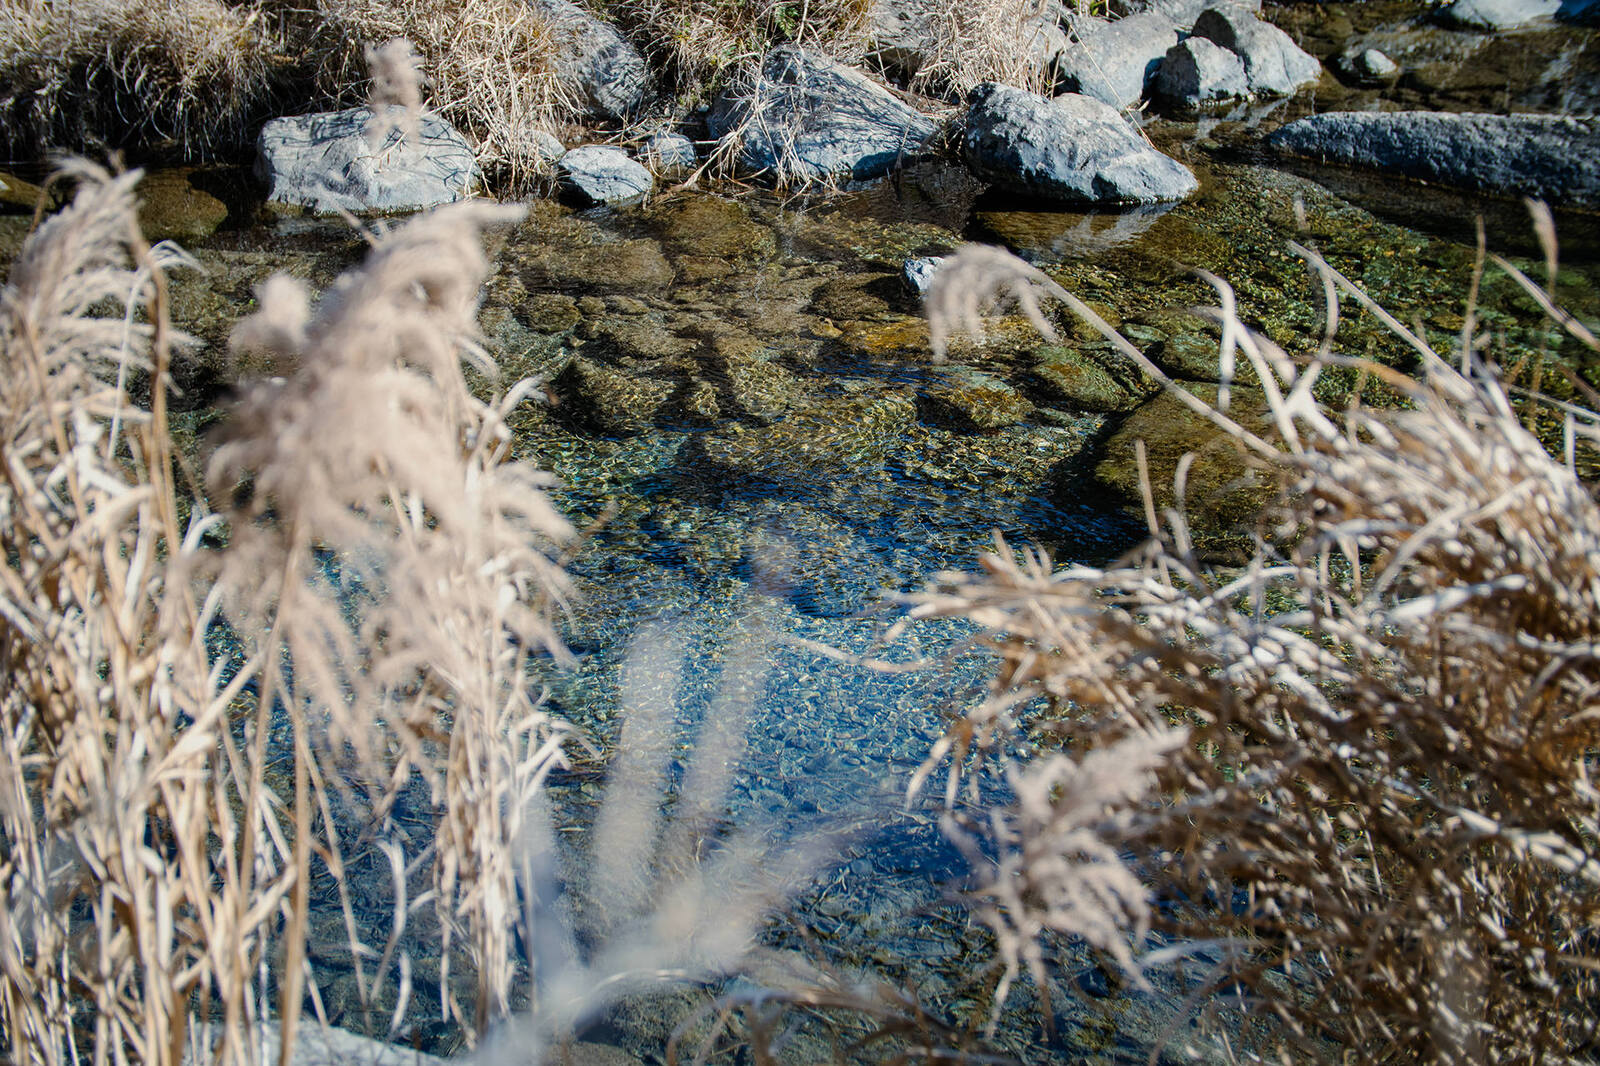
point(126, 73)
point(699, 44)
point(490, 67)
point(1008, 41)
point(1385, 814)
point(379, 582)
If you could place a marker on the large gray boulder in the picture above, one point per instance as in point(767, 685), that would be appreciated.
point(1553, 157)
point(1497, 14)
point(608, 73)
point(811, 118)
point(598, 174)
point(1273, 64)
point(1115, 61)
point(1073, 149)
point(1198, 71)
point(328, 162)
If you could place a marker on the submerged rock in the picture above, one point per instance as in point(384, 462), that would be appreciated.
point(968, 400)
point(1225, 492)
point(1113, 61)
point(1073, 149)
point(1273, 64)
point(172, 208)
point(607, 400)
point(609, 74)
point(825, 439)
point(326, 162)
point(1073, 378)
point(811, 118)
point(813, 560)
point(1367, 66)
point(1553, 157)
point(597, 174)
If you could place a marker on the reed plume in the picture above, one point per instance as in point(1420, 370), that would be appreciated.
point(1385, 808)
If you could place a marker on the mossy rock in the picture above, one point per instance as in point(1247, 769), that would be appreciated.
point(1083, 330)
point(1191, 350)
point(1226, 492)
point(548, 312)
point(710, 226)
point(830, 438)
point(897, 336)
point(608, 401)
point(760, 389)
point(635, 265)
point(19, 195)
point(854, 296)
point(171, 208)
point(970, 400)
point(1076, 379)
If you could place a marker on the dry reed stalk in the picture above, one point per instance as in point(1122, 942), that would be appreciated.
point(386, 579)
point(1386, 806)
point(123, 892)
point(402, 569)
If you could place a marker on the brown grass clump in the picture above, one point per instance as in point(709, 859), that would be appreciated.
point(1384, 823)
point(124, 73)
point(1008, 41)
point(700, 43)
point(490, 67)
point(381, 580)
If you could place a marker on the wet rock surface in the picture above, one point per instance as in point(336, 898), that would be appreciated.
point(816, 119)
point(328, 162)
point(596, 174)
point(1072, 149)
point(1551, 157)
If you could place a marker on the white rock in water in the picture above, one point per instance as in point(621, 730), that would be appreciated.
point(327, 162)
